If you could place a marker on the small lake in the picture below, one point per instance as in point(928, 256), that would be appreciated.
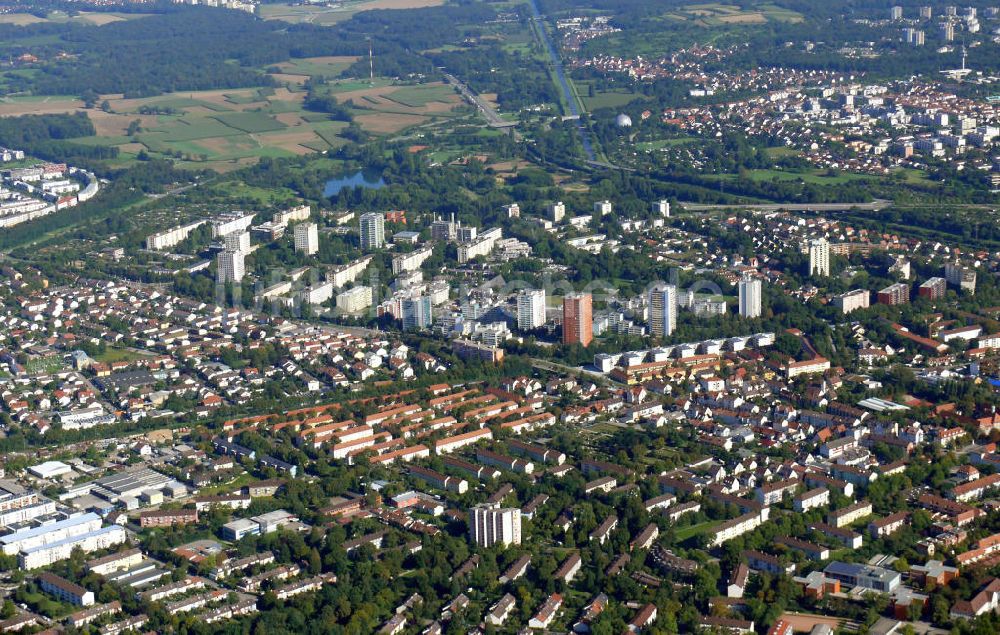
point(359, 179)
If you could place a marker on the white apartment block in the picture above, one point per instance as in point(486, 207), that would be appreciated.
point(317, 294)
point(170, 237)
point(295, 214)
point(852, 300)
point(849, 515)
point(346, 274)
point(489, 526)
point(411, 261)
point(602, 208)
point(306, 238)
point(662, 309)
point(819, 257)
point(481, 247)
point(234, 222)
point(819, 497)
point(372, 227)
point(48, 534)
point(962, 277)
point(738, 526)
point(48, 554)
point(237, 241)
point(231, 267)
point(557, 211)
point(750, 290)
point(530, 309)
point(355, 300)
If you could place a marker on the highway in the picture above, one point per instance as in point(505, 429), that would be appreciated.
point(560, 74)
point(492, 116)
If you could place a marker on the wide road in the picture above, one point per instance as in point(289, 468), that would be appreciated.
point(557, 68)
point(873, 206)
point(492, 116)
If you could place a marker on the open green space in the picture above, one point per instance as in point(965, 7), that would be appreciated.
point(818, 177)
point(610, 99)
point(112, 354)
point(250, 122)
point(684, 533)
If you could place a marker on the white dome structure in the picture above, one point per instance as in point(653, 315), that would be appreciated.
point(623, 121)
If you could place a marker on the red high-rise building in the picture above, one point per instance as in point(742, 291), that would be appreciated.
point(578, 320)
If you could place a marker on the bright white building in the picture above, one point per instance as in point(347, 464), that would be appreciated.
point(819, 257)
point(237, 241)
point(530, 309)
point(354, 300)
point(662, 309)
point(750, 292)
point(489, 526)
point(306, 238)
point(231, 267)
point(372, 226)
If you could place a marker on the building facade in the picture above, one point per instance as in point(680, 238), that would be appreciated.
point(489, 526)
point(578, 321)
point(372, 227)
point(750, 297)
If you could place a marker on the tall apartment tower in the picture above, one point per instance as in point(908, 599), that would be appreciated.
point(372, 226)
point(819, 257)
point(237, 241)
point(557, 211)
point(662, 207)
point(417, 312)
point(750, 292)
point(530, 309)
point(578, 319)
point(489, 526)
point(306, 238)
point(662, 309)
point(230, 266)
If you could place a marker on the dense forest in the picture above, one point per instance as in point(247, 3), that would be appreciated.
point(198, 48)
point(49, 137)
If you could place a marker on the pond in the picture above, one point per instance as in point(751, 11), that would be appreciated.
point(359, 179)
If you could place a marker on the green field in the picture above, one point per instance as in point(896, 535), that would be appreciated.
point(419, 96)
point(684, 533)
point(250, 122)
point(119, 355)
point(817, 177)
point(197, 128)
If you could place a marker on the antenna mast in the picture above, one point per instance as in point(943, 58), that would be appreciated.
point(371, 62)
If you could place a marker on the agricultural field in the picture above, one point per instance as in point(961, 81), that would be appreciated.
point(717, 14)
point(224, 129)
point(94, 18)
point(332, 14)
point(299, 70)
point(384, 108)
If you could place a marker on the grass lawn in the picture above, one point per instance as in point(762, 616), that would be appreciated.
point(225, 488)
point(113, 354)
point(611, 99)
point(685, 533)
